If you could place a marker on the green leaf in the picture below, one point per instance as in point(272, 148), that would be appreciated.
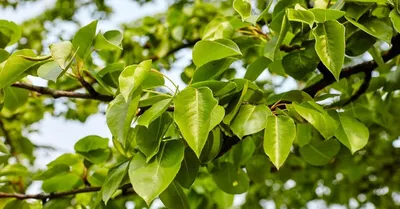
point(15, 66)
point(303, 133)
point(89, 143)
point(212, 147)
point(241, 153)
point(120, 114)
point(61, 53)
point(132, 77)
point(155, 111)
point(62, 183)
point(234, 106)
point(271, 49)
point(193, 108)
point(231, 179)
point(218, 28)
point(279, 135)
point(375, 27)
point(330, 45)
point(10, 33)
point(114, 67)
point(3, 56)
point(299, 14)
point(60, 169)
point(20, 204)
point(15, 98)
point(243, 7)
point(206, 51)
point(149, 139)
point(323, 15)
point(93, 148)
point(212, 70)
point(60, 203)
point(317, 117)
point(352, 133)
point(250, 119)
point(320, 152)
point(300, 63)
point(154, 79)
point(152, 179)
point(110, 40)
point(83, 39)
point(175, 197)
point(395, 18)
point(113, 181)
point(256, 68)
point(189, 169)
point(50, 71)
point(219, 88)
point(258, 168)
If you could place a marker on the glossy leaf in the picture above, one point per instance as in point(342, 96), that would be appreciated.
point(174, 197)
point(212, 70)
point(193, 108)
point(375, 27)
point(206, 51)
point(113, 181)
point(155, 111)
point(395, 18)
point(317, 117)
point(152, 179)
point(11, 31)
point(330, 45)
point(323, 15)
point(15, 67)
point(148, 139)
point(61, 53)
point(93, 148)
point(250, 119)
point(132, 77)
point(50, 71)
point(120, 114)
point(300, 14)
point(279, 135)
point(256, 68)
point(352, 133)
point(83, 39)
point(243, 7)
point(110, 40)
point(15, 98)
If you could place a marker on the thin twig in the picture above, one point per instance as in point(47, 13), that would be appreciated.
point(60, 93)
point(49, 196)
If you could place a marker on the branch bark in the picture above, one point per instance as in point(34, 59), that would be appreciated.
point(59, 93)
point(366, 67)
point(49, 196)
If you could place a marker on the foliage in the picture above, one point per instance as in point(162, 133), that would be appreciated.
point(230, 129)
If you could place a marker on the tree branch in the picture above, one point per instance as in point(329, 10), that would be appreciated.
point(59, 93)
point(365, 67)
point(363, 88)
point(49, 196)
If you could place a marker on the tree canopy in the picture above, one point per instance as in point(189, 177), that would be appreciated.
point(287, 102)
